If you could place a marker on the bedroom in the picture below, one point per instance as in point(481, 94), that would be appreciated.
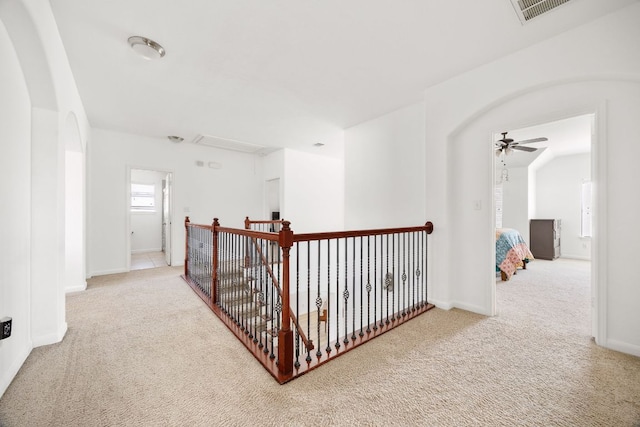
point(547, 184)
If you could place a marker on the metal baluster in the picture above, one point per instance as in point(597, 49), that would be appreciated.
point(353, 290)
point(375, 283)
point(297, 333)
point(308, 359)
point(267, 313)
point(318, 305)
point(404, 274)
point(345, 294)
point(337, 344)
point(261, 301)
point(361, 289)
point(425, 267)
point(423, 298)
point(369, 284)
point(387, 282)
point(394, 268)
point(413, 277)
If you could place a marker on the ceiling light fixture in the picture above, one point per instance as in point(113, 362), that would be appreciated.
point(176, 139)
point(147, 48)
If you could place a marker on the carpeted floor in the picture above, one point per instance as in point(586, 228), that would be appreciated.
point(143, 350)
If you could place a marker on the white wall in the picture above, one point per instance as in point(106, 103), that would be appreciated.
point(544, 83)
point(558, 196)
point(32, 57)
point(15, 210)
point(384, 173)
point(200, 192)
point(313, 192)
point(146, 227)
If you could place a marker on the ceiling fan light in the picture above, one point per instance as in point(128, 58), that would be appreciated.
point(146, 48)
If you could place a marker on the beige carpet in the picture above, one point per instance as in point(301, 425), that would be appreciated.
point(143, 350)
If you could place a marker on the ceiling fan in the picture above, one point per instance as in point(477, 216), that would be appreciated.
point(507, 145)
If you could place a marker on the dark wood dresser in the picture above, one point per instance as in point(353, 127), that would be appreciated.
point(544, 235)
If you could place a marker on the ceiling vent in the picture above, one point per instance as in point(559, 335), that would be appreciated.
point(228, 144)
point(529, 9)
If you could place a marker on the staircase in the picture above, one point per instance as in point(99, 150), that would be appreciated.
point(240, 297)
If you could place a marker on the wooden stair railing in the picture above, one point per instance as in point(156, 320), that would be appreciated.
point(364, 283)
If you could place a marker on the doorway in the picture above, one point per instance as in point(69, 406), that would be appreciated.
point(549, 184)
point(150, 218)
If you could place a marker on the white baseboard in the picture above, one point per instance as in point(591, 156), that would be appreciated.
point(471, 307)
point(53, 338)
point(578, 257)
point(105, 272)
point(11, 373)
point(623, 347)
point(82, 286)
point(142, 251)
point(441, 304)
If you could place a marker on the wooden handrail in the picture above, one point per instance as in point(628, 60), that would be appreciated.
point(305, 237)
point(411, 298)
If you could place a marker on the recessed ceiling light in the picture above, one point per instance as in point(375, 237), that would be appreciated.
point(318, 144)
point(147, 48)
point(176, 139)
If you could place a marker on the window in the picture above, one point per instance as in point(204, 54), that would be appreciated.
point(585, 220)
point(143, 198)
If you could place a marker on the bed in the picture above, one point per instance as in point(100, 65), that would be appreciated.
point(511, 252)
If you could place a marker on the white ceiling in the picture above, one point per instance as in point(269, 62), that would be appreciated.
point(568, 136)
point(284, 73)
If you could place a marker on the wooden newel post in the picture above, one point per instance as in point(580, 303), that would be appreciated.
point(214, 262)
point(285, 335)
point(247, 223)
point(186, 246)
point(429, 226)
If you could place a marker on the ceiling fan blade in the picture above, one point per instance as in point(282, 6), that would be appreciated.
point(530, 141)
point(529, 149)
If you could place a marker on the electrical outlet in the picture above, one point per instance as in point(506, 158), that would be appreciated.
point(5, 327)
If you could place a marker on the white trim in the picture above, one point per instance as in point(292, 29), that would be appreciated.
point(11, 373)
point(128, 211)
point(622, 347)
point(578, 257)
point(51, 338)
point(472, 307)
point(77, 288)
point(598, 245)
point(141, 251)
point(441, 304)
point(105, 272)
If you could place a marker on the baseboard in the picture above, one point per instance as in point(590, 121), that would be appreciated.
point(53, 338)
point(578, 257)
point(11, 373)
point(441, 304)
point(78, 288)
point(472, 308)
point(105, 272)
point(142, 251)
point(623, 347)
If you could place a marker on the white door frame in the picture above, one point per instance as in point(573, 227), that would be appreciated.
point(128, 206)
point(598, 249)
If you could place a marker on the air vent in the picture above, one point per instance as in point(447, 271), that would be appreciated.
point(227, 144)
point(529, 9)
